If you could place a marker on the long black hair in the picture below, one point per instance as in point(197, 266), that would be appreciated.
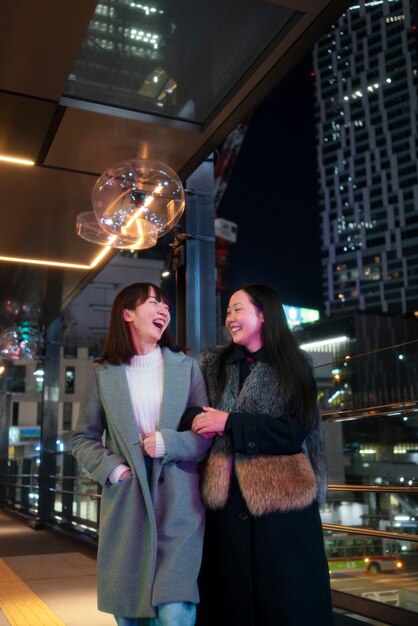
point(118, 346)
point(290, 363)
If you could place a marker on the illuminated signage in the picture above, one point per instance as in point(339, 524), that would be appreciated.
point(297, 315)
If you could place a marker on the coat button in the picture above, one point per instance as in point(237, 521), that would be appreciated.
point(160, 480)
point(251, 444)
point(243, 516)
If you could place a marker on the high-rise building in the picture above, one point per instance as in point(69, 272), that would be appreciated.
point(366, 74)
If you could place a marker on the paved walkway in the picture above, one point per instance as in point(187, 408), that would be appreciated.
point(46, 579)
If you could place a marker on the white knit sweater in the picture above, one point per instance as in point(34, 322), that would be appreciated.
point(145, 375)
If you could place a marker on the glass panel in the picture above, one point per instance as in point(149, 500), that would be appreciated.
point(58, 504)
point(22, 480)
point(372, 452)
point(377, 379)
point(371, 421)
point(370, 413)
point(85, 504)
point(177, 58)
point(373, 568)
point(378, 510)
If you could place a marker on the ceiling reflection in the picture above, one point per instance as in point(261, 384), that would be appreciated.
point(173, 58)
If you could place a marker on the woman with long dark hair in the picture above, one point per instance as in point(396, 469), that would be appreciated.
point(264, 560)
point(127, 438)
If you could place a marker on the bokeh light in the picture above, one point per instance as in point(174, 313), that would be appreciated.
point(15, 345)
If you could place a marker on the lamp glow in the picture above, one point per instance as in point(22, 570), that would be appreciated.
point(12, 259)
point(75, 266)
point(16, 160)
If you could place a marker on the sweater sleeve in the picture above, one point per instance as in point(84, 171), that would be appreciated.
point(255, 434)
point(117, 473)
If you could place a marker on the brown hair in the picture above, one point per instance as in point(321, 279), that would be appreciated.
point(118, 346)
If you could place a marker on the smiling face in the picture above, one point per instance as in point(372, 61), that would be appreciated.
point(244, 321)
point(147, 322)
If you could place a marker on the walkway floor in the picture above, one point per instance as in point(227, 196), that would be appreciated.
point(46, 579)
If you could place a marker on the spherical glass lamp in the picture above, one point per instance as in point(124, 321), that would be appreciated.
point(138, 200)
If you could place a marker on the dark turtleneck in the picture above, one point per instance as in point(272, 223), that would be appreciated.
point(247, 360)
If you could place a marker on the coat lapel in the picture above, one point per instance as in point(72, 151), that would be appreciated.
point(259, 394)
point(116, 399)
point(176, 388)
point(117, 403)
point(229, 396)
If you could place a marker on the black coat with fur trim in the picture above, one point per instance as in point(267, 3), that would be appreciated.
point(264, 561)
point(258, 434)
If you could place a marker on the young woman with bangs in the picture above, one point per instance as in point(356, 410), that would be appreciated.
point(127, 438)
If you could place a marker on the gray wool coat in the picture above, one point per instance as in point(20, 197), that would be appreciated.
point(150, 535)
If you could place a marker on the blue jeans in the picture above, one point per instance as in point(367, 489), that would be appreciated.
point(172, 614)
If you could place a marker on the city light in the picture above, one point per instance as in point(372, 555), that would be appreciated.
point(297, 315)
point(317, 345)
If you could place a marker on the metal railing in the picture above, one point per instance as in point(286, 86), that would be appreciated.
point(361, 443)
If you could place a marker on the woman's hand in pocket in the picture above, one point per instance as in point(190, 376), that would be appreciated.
point(126, 474)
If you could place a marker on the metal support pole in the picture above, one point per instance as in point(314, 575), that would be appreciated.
point(179, 265)
point(68, 470)
point(49, 423)
point(5, 401)
point(195, 265)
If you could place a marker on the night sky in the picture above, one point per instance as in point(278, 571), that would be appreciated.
point(272, 196)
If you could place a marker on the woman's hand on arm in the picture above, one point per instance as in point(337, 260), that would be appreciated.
point(210, 423)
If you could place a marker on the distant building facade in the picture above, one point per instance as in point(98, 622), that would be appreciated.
point(85, 323)
point(362, 359)
point(366, 71)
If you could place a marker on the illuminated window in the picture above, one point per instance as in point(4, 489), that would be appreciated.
point(69, 379)
point(371, 273)
point(39, 383)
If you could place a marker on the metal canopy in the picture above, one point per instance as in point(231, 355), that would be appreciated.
point(81, 89)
